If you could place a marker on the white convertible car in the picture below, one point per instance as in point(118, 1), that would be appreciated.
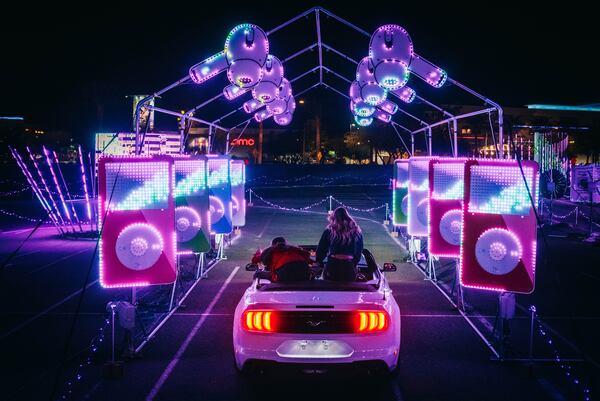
point(319, 324)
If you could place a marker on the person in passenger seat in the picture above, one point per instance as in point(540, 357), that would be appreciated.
point(286, 262)
point(342, 244)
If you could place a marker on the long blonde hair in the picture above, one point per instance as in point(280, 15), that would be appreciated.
point(342, 226)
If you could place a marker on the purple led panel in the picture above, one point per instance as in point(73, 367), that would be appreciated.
point(400, 193)
point(238, 192)
point(136, 220)
point(192, 215)
point(446, 192)
point(418, 195)
point(219, 187)
point(499, 229)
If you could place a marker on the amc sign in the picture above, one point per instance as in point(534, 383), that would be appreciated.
point(243, 142)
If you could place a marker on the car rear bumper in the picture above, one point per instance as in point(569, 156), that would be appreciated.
point(313, 350)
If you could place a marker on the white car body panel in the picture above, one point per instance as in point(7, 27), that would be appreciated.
point(299, 348)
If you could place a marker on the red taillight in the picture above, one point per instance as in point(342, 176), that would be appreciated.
point(371, 321)
point(261, 321)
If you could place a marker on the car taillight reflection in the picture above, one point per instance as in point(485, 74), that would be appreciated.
point(371, 321)
point(258, 320)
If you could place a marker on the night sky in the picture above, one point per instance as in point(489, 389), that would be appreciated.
point(72, 73)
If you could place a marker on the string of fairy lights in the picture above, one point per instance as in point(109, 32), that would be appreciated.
point(15, 191)
point(355, 209)
point(324, 200)
point(285, 208)
point(92, 351)
point(18, 216)
point(577, 210)
point(565, 367)
point(265, 180)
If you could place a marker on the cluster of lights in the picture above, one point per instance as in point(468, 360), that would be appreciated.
point(390, 62)
point(187, 223)
point(267, 89)
point(418, 196)
point(250, 67)
point(389, 107)
point(245, 40)
point(238, 190)
point(131, 184)
point(399, 192)
point(138, 246)
point(565, 367)
point(499, 248)
point(192, 214)
point(237, 173)
point(220, 205)
point(356, 209)
point(251, 105)
point(55, 179)
point(190, 177)
point(287, 208)
point(313, 205)
point(371, 321)
point(218, 172)
point(383, 116)
point(76, 218)
point(18, 216)
point(500, 190)
point(208, 68)
point(363, 121)
point(498, 251)
point(361, 321)
point(391, 74)
point(246, 50)
point(392, 43)
point(260, 321)
point(92, 349)
point(138, 185)
point(281, 108)
point(362, 109)
point(52, 199)
point(262, 115)
point(406, 94)
point(84, 182)
point(448, 179)
point(232, 92)
point(53, 210)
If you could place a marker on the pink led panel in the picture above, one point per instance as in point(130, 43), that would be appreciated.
point(237, 170)
point(446, 192)
point(136, 219)
point(418, 195)
point(192, 213)
point(499, 231)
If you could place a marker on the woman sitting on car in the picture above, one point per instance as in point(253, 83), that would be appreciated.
point(342, 244)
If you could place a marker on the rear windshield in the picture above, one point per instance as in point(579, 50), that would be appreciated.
point(319, 285)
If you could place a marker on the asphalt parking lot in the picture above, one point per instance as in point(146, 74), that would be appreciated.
point(442, 356)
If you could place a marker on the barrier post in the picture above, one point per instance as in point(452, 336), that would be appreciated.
point(112, 324)
point(386, 220)
point(533, 312)
point(330, 201)
point(250, 197)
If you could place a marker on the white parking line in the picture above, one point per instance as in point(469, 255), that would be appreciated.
point(58, 260)
point(22, 230)
point(267, 223)
point(183, 347)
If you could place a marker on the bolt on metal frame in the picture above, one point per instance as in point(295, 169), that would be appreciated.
point(425, 127)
